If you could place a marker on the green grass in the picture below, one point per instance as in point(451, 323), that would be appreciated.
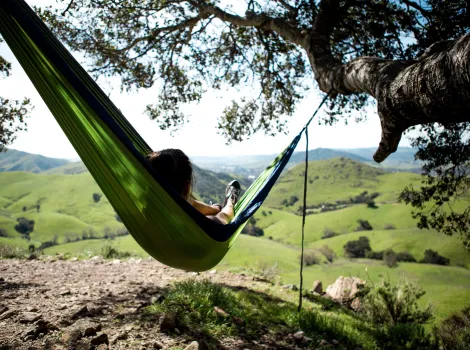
point(446, 286)
point(262, 313)
point(414, 241)
point(337, 179)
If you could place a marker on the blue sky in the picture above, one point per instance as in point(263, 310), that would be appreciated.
point(198, 137)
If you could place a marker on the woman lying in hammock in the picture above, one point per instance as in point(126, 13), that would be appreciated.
point(177, 169)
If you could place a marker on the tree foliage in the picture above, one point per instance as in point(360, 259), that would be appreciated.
point(13, 113)
point(445, 153)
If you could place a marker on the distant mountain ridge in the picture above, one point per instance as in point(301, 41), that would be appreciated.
point(13, 160)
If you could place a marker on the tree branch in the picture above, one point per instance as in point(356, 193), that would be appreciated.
point(261, 20)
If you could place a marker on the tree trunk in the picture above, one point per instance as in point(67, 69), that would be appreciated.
point(433, 88)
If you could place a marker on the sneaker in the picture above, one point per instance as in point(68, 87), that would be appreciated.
point(232, 192)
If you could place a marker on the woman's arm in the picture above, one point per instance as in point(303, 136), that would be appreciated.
point(204, 208)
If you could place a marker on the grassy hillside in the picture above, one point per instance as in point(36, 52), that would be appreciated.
point(337, 179)
point(13, 160)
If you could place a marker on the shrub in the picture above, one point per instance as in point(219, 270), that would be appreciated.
point(89, 233)
point(454, 331)
point(389, 227)
point(24, 227)
point(253, 230)
point(25, 208)
point(390, 258)
point(363, 225)
point(109, 252)
point(310, 258)
point(11, 252)
point(3, 232)
point(432, 257)
point(48, 244)
point(264, 213)
point(267, 270)
point(357, 249)
point(328, 253)
point(327, 233)
point(406, 257)
point(97, 197)
point(375, 255)
point(371, 204)
point(291, 201)
point(390, 304)
point(394, 313)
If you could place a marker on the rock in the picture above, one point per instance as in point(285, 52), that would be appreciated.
point(83, 312)
point(116, 261)
point(261, 279)
point(290, 286)
point(299, 335)
point(335, 342)
point(317, 287)
point(220, 312)
point(82, 344)
point(74, 259)
point(323, 342)
point(194, 274)
point(102, 347)
point(344, 289)
point(157, 298)
point(158, 345)
point(192, 346)
point(356, 304)
point(65, 292)
point(3, 309)
point(167, 322)
point(29, 317)
point(32, 257)
point(212, 272)
point(40, 327)
point(306, 339)
point(101, 339)
point(31, 309)
point(62, 307)
point(71, 336)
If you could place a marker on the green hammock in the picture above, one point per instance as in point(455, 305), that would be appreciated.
point(163, 223)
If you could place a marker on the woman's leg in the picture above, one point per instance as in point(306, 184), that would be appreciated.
point(232, 193)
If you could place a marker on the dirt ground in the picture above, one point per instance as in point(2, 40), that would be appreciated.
point(94, 304)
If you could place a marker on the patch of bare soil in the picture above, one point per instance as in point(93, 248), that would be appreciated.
point(95, 304)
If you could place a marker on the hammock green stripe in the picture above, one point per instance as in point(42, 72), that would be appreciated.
point(153, 218)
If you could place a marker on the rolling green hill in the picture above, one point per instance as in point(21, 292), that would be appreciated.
point(337, 179)
point(60, 201)
point(13, 160)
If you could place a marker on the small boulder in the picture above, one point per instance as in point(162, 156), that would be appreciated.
point(290, 286)
point(167, 322)
point(29, 317)
point(345, 289)
point(212, 272)
point(192, 346)
point(80, 313)
point(299, 335)
point(220, 312)
point(101, 339)
point(317, 287)
point(238, 321)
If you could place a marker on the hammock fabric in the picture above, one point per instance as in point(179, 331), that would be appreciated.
point(158, 218)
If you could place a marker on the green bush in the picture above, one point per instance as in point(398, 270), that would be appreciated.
point(11, 252)
point(389, 227)
point(109, 252)
point(328, 253)
point(24, 227)
point(375, 255)
point(328, 233)
point(358, 248)
point(371, 204)
point(3, 232)
point(390, 258)
point(405, 257)
point(454, 331)
point(310, 258)
point(432, 257)
point(97, 197)
point(394, 313)
point(363, 226)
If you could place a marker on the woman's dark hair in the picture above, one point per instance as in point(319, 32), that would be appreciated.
point(175, 167)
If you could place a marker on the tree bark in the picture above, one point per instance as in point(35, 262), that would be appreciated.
point(433, 88)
